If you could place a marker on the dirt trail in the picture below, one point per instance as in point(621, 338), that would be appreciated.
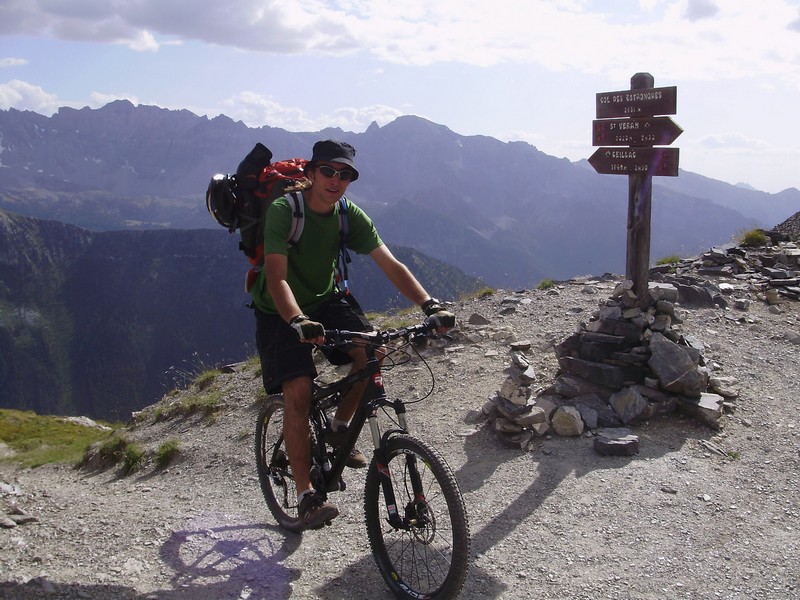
point(678, 520)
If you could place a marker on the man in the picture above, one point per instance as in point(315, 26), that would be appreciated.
point(296, 299)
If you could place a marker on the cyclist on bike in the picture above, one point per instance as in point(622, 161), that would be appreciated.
point(296, 298)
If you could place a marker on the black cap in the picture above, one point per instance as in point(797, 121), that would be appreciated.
point(334, 151)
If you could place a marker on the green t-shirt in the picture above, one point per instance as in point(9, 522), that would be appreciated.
point(312, 261)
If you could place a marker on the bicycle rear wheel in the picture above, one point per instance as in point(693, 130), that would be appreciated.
point(427, 556)
point(272, 460)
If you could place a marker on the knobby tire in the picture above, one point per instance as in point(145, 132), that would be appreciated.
point(426, 559)
point(274, 473)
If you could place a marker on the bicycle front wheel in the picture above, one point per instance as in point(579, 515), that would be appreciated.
point(272, 460)
point(425, 553)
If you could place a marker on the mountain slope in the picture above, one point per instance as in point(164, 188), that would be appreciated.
point(100, 323)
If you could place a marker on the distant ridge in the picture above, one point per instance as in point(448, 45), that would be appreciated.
point(504, 212)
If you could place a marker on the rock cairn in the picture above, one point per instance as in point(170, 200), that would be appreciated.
point(631, 361)
point(628, 363)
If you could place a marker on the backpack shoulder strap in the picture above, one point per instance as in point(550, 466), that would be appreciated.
point(298, 217)
point(344, 255)
point(343, 227)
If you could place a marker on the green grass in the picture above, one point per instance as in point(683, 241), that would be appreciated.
point(254, 364)
point(113, 449)
point(669, 260)
point(166, 453)
point(206, 404)
point(481, 293)
point(206, 378)
point(401, 317)
point(38, 440)
point(755, 238)
point(546, 284)
point(133, 460)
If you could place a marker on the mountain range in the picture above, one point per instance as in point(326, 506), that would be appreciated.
point(114, 278)
point(504, 212)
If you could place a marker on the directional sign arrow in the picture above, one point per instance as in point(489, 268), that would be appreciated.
point(643, 131)
point(636, 161)
point(637, 103)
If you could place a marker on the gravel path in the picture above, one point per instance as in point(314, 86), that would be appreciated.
point(678, 520)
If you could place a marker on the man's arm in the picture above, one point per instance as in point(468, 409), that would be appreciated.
point(400, 275)
point(408, 285)
point(276, 268)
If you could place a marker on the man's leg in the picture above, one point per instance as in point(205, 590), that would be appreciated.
point(350, 401)
point(296, 430)
point(341, 313)
point(351, 398)
point(312, 507)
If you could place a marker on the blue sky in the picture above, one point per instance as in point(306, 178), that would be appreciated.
point(512, 69)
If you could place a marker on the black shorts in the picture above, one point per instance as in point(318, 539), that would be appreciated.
point(284, 356)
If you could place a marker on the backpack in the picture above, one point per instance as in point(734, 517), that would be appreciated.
point(240, 202)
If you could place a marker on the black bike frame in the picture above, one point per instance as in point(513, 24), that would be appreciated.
point(372, 399)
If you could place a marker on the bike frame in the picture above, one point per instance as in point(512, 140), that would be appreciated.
point(373, 398)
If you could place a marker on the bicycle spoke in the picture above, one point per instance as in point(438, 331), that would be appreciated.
point(427, 554)
point(274, 470)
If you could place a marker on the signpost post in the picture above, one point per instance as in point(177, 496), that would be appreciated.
point(628, 118)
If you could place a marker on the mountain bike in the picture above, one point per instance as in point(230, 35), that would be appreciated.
point(413, 508)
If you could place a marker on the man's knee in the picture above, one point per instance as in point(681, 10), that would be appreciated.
point(297, 394)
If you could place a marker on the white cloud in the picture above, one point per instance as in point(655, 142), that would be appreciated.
point(12, 62)
point(700, 9)
point(359, 118)
point(735, 143)
point(25, 96)
point(678, 39)
point(143, 42)
point(256, 110)
point(98, 99)
point(795, 24)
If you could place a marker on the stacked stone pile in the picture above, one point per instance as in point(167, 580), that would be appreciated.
point(630, 362)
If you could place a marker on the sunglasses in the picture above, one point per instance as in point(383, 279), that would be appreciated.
point(330, 172)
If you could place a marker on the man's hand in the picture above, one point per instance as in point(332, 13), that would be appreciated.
point(308, 330)
point(443, 319)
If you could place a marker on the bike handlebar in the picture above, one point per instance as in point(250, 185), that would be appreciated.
point(335, 337)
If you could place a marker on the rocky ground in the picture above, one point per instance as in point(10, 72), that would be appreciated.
point(698, 513)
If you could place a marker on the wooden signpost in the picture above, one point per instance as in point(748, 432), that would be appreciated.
point(627, 129)
point(639, 131)
point(633, 161)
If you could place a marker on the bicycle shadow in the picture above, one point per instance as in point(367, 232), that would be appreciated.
point(248, 561)
point(230, 561)
point(362, 581)
point(564, 457)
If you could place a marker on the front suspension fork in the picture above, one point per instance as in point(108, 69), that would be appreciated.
point(380, 444)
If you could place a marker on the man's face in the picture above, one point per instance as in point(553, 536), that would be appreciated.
point(329, 181)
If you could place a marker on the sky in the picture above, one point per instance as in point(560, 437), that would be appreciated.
point(515, 70)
